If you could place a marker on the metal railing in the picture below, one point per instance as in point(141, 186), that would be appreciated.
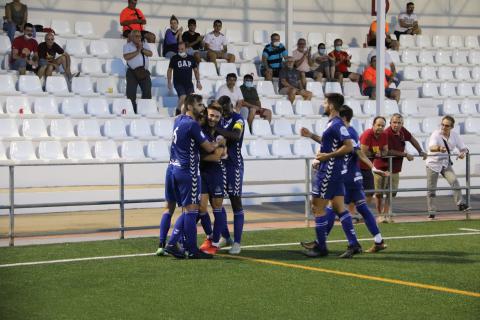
point(122, 201)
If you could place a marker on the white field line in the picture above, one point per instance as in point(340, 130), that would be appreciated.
point(468, 229)
point(33, 263)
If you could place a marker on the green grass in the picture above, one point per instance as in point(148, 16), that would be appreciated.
point(165, 288)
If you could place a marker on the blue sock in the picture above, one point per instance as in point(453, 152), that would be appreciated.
point(225, 232)
point(330, 214)
point(206, 223)
point(165, 225)
point(190, 230)
point(218, 225)
point(321, 231)
point(177, 232)
point(238, 221)
point(368, 217)
point(347, 225)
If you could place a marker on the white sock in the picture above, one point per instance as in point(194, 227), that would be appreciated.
point(378, 238)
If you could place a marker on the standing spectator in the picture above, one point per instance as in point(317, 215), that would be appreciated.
point(16, 16)
point(323, 65)
point(181, 66)
point(370, 82)
point(272, 58)
point(25, 51)
point(252, 101)
point(342, 63)
point(397, 136)
point(47, 51)
point(136, 53)
point(193, 41)
point(303, 58)
point(441, 144)
point(215, 44)
point(407, 22)
point(374, 144)
point(132, 18)
point(172, 38)
point(234, 93)
point(372, 36)
point(292, 83)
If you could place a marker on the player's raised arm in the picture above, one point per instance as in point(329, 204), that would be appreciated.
point(304, 132)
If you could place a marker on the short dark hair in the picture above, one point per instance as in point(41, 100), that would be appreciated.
point(347, 112)
point(217, 21)
point(273, 35)
point(321, 43)
point(224, 101)
point(300, 39)
point(410, 4)
point(449, 118)
point(192, 21)
point(378, 117)
point(215, 106)
point(336, 99)
point(338, 39)
point(231, 75)
point(173, 18)
point(28, 25)
point(248, 77)
point(191, 99)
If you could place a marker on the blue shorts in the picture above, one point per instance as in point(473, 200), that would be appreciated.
point(184, 89)
point(354, 191)
point(186, 186)
point(169, 186)
point(234, 180)
point(324, 187)
point(214, 182)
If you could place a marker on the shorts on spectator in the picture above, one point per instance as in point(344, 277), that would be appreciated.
point(261, 112)
point(369, 91)
point(346, 74)
point(184, 89)
point(384, 183)
point(310, 74)
point(368, 183)
point(220, 54)
point(191, 51)
point(284, 90)
point(20, 64)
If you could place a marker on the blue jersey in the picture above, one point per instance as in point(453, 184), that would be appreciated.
point(333, 137)
point(186, 141)
point(353, 168)
point(210, 166)
point(234, 148)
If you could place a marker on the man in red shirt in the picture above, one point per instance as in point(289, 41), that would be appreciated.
point(342, 63)
point(25, 51)
point(374, 144)
point(132, 18)
point(370, 81)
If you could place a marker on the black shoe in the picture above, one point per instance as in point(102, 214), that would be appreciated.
point(199, 255)
point(308, 245)
point(316, 251)
point(463, 207)
point(431, 217)
point(351, 251)
point(175, 251)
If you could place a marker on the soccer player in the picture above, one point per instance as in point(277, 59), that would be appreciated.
point(327, 186)
point(232, 128)
point(187, 140)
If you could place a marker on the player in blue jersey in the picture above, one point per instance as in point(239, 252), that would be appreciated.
point(328, 186)
point(232, 128)
point(187, 140)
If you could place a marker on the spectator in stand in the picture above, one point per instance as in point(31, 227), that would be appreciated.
point(25, 52)
point(16, 16)
point(388, 65)
point(323, 65)
point(397, 136)
point(272, 58)
point(292, 83)
point(172, 38)
point(407, 22)
point(441, 144)
point(47, 52)
point(374, 144)
point(342, 63)
point(132, 18)
point(234, 93)
point(370, 81)
point(193, 40)
point(215, 45)
point(303, 58)
point(136, 53)
point(372, 37)
point(181, 66)
point(252, 101)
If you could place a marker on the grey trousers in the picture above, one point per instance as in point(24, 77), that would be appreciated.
point(432, 179)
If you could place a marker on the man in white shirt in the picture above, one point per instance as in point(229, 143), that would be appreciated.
point(215, 44)
point(234, 93)
point(407, 22)
point(441, 144)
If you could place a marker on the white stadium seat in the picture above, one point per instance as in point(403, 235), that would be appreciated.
point(447, 89)
point(425, 57)
point(304, 108)
point(283, 108)
point(248, 68)
point(45, 105)
point(265, 88)
point(259, 149)
point(473, 57)
point(442, 57)
point(163, 128)
point(161, 68)
point(428, 73)
point(321, 125)
point(92, 66)
point(122, 106)
point(208, 70)
point(34, 128)
point(18, 105)
point(429, 90)
point(391, 107)
point(140, 128)
point(471, 42)
point(423, 41)
point(250, 53)
point(61, 128)
point(8, 128)
point(78, 150)
point(303, 123)
point(315, 88)
point(459, 57)
point(440, 41)
point(22, 151)
point(50, 150)
point(88, 128)
point(455, 41)
point(73, 106)
point(476, 73)
point(8, 85)
point(409, 56)
point(30, 84)
point(462, 73)
point(409, 107)
point(412, 125)
point(430, 124)
point(407, 41)
point(158, 150)
point(114, 129)
point(333, 87)
point(107, 86)
point(115, 66)
point(106, 150)
point(282, 128)
point(468, 107)
point(464, 89)
point(57, 85)
point(451, 107)
point(5, 44)
point(445, 73)
point(84, 28)
point(226, 68)
point(3, 152)
point(261, 128)
point(303, 148)
point(281, 148)
point(476, 89)
point(314, 38)
point(410, 73)
point(132, 150)
point(370, 107)
point(99, 48)
point(76, 47)
point(147, 107)
point(355, 106)
point(261, 36)
point(233, 35)
point(82, 86)
point(471, 126)
point(61, 27)
point(98, 107)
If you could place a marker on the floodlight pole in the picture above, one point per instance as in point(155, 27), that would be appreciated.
point(11, 231)
point(122, 200)
point(380, 54)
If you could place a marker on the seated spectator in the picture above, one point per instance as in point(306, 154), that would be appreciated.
point(25, 51)
point(193, 40)
point(407, 22)
point(136, 53)
point(252, 101)
point(388, 65)
point(292, 83)
point(47, 51)
point(215, 45)
point(303, 58)
point(372, 37)
point(16, 16)
point(370, 81)
point(323, 65)
point(132, 18)
point(233, 92)
point(172, 37)
point(342, 63)
point(272, 58)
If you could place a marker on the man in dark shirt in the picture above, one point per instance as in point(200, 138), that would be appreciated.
point(193, 40)
point(252, 102)
point(291, 82)
point(181, 66)
point(47, 51)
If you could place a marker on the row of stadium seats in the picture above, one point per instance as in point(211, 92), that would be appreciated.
point(441, 73)
point(438, 57)
point(439, 41)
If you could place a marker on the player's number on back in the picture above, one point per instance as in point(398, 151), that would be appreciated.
point(175, 135)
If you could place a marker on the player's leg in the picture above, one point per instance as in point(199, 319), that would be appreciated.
point(347, 226)
point(234, 189)
point(432, 179)
point(203, 216)
point(218, 225)
point(452, 180)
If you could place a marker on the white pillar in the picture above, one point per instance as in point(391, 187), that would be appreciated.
point(380, 52)
point(288, 25)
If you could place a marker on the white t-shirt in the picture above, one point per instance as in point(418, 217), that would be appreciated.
point(441, 159)
point(215, 43)
point(136, 61)
point(234, 95)
point(408, 18)
point(388, 58)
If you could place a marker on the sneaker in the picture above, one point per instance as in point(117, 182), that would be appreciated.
point(206, 244)
point(161, 250)
point(309, 245)
point(315, 252)
point(199, 255)
point(175, 251)
point(431, 217)
point(225, 242)
point(210, 250)
point(463, 207)
point(381, 219)
point(235, 249)
point(351, 251)
point(377, 247)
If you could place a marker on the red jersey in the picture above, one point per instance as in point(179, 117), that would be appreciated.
point(396, 141)
point(20, 43)
point(338, 55)
point(132, 14)
point(375, 145)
